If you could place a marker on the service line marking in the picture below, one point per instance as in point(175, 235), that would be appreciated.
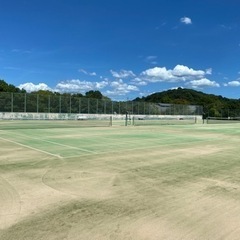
point(60, 144)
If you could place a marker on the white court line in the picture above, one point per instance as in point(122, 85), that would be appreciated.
point(32, 148)
point(59, 144)
point(137, 148)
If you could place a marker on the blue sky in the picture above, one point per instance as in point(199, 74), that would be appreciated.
point(123, 48)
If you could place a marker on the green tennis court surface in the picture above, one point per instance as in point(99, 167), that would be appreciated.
point(135, 182)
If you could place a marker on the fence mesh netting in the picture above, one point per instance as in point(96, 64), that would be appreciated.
point(37, 103)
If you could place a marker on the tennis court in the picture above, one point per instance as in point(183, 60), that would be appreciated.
point(70, 181)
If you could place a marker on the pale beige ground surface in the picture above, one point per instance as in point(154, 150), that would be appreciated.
point(145, 183)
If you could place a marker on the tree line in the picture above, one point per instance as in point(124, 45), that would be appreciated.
point(213, 105)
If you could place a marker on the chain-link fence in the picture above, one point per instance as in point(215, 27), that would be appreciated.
point(28, 102)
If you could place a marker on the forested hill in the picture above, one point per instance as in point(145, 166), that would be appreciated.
point(212, 104)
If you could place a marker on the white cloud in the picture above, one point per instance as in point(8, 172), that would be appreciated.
point(183, 71)
point(115, 88)
point(157, 74)
point(74, 85)
point(125, 82)
point(179, 73)
point(100, 85)
point(122, 74)
point(186, 20)
point(232, 84)
point(138, 81)
point(30, 87)
point(120, 88)
point(204, 82)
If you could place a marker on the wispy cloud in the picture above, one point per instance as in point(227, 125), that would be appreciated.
point(87, 73)
point(21, 51)
point(74, 85)
point(138, 81)
point(119, 88)
point(151, 59)
point(12, 68)
point(122, 74)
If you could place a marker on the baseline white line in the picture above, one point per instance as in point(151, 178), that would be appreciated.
point(32, 148)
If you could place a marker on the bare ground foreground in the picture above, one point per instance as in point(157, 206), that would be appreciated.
point(138, 183)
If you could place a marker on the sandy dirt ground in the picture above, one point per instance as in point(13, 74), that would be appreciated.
point(138, 183)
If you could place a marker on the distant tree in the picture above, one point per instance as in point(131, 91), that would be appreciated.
point(94, 94)
point(5, 87)
point(43, 92)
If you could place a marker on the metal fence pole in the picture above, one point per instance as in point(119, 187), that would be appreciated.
point(60, 104)
point(97, 107)
point(11, 102)
point(49, 102)
point(25, 102)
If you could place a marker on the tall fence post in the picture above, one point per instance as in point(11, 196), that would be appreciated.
point(79, 106)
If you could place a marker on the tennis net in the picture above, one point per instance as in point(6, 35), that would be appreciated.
point(139, 121)
point(221, 120)
point(45, 124)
